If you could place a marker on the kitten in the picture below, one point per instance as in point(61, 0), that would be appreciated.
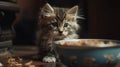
point(55, 24)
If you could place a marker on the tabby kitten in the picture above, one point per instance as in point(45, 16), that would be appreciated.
point(56, 24)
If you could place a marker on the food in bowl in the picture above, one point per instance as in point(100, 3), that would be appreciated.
point(86, 42)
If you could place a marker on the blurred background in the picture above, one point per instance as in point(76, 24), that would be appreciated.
point(101, 16)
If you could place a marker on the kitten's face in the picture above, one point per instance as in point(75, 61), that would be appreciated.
point(61, 21)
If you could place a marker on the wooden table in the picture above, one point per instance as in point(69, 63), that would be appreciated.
point(27, 52)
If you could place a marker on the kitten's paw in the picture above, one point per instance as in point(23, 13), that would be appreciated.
point(49, 58)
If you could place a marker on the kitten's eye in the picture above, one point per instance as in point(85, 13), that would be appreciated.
point(54, 24)
point(66, 24)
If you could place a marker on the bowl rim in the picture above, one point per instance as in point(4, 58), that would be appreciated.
point(87, 47)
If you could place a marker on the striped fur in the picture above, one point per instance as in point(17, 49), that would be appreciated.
point(56, 24)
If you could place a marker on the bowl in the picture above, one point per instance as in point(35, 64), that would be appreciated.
point(88, 52)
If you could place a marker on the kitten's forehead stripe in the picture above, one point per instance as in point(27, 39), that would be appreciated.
point(60, 14)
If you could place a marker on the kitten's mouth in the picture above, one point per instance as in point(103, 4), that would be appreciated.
point(60, 34)
point(60, 37)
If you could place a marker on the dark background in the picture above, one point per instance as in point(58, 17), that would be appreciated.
point(101, 17)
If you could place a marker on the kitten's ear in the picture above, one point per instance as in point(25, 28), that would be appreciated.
point(47, 10)
point(73, 11)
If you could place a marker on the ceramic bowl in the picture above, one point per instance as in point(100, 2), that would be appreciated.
point(95, 55)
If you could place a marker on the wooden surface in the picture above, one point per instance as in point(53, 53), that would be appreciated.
point(28, 53)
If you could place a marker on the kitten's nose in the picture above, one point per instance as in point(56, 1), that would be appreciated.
point(60, 32)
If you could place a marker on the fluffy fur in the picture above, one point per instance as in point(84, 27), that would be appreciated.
point(56, 24)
